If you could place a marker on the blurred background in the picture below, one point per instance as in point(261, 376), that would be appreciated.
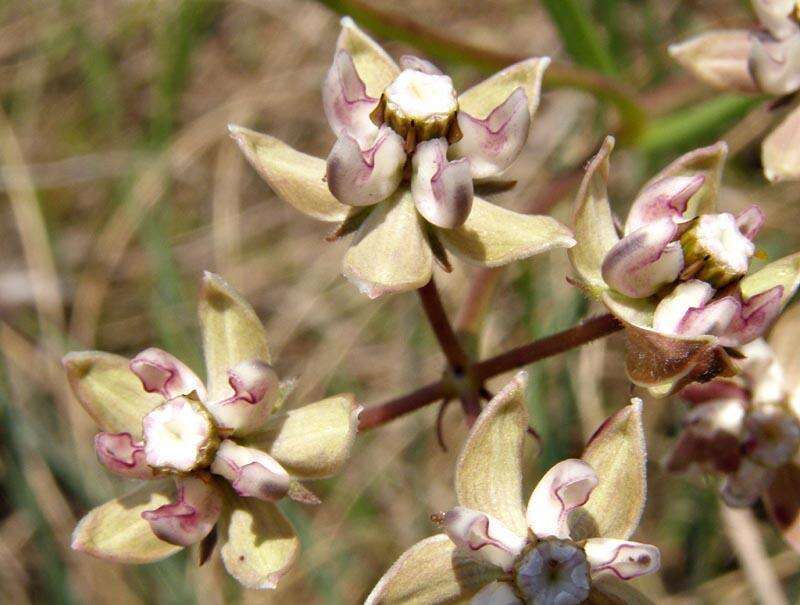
point(120, 186)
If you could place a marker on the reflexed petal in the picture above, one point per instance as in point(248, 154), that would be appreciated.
point(780, 151)
point(297, 178)
point(232, 333)
point(784, 272)
point(313, 441)
point(107, 389)
point(672, 309)
point(608, 589)
point(255, 387)
point(251, 472)
point(665, 198)
point(116, 531)
point(718, 58)
point(483, 537)
point(750, 220)
point(753, 317)
point(493, 236)
point(390, 252)
point(624, 559)
point(782, 501)
point(707, 162)
point(744, 487)
point(480, 100)
point(120, 454)
point(258, 545)
point(165, 374)
point(593, 223)
point(433, 572)
point(375, 67)
point(489, 469)
point(417, 64)
point(345, 99)
point(442, 190)
point(618, 455)
point(191, 516)
point(362, 177)
point(496, 593)
point(491, 144)
point(640, 263)
point(776, 63)
point(565, 487)
point(776, 16)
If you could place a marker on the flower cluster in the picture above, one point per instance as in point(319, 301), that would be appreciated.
point(401, 171)
point(677, 277)
point(217, 448)
point(568, 546)
point(764, 59)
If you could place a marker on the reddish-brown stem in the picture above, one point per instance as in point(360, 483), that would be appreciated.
point(440, 324)
point(560, 342)
point(581, 334)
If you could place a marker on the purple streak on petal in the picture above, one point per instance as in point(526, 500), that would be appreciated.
point(666, 198)
point(754, 317)
point(163, 373)
point(493, 143)
point(191, 517)
point(712, 318)
point(750, 221)
point(640, 263)
point(345, 100)
point(122, 455)
point(442, 190)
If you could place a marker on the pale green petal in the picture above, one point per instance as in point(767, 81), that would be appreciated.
point(109, 391)
point(593, 222)
point(258, 545)
point(313, 441)
point(481, 99)
point(489, 469)
point(780, 153)
point(610, 590)
point(432, 572)
point(390, 252)
point(116, 531)
point(232, 333)
point(493, 236)
point(298, 178)
point(618, 454)
point(373, 64)
point(782, 272)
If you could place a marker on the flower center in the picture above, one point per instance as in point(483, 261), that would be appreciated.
point(715, 244)
point(553, 572)
point(420, 103)
point(179, 436)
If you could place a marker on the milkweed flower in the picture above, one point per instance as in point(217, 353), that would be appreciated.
point(678, 275)
point(213, 457)
point(746, 429)
point(401, 172)
point(764, 59)
point(569, 545)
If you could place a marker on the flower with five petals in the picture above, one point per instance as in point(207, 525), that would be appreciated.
point(569, 546)
point(401, 171)
point(677, 277)
point(764, 59)
point(213, 457)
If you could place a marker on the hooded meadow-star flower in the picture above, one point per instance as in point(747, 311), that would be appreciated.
point(747, 430)
point(212, 455)
point(401, 172)
point(767, 60)
point(677, 277)
point(568, 546)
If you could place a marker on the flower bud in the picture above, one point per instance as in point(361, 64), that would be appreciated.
point(776, 63)
point(193, 514)
point(251, 472)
